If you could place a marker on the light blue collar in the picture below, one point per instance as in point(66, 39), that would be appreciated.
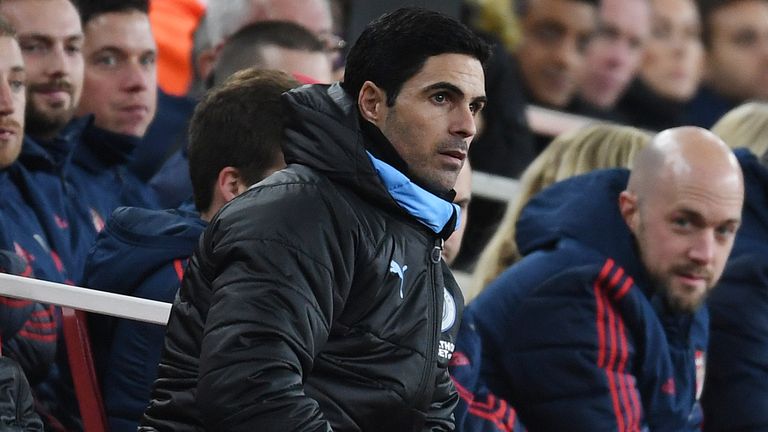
point(426, 207)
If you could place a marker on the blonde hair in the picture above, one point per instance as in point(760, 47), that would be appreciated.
point(498, 17)
point(745, 126)
point(572, 153)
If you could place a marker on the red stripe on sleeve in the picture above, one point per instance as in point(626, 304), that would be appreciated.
point(623, 384)
point(485, 410)
point(178, 265)
point(14, 303)
point(50, 337)
point(600, 312)
point(624, 289)
point(611, 364)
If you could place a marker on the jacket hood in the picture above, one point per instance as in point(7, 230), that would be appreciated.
point(323, 132)
point(140, 239)
point(754, 228)
point(583, 208)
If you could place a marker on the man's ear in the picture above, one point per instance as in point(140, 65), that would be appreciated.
point(229, 184)
point(629, 209)
point(372, 101)
point(206, 61)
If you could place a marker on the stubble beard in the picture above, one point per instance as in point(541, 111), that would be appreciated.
point(38, 122)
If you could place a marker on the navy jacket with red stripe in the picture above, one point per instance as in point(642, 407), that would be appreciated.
point(573, 336)
point(140, 253)
point(28, 330)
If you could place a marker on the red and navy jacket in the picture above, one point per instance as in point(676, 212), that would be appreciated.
point(141, 253)
point(29, 330)
point(736, 389)
point(53, 197)
point(574, 336)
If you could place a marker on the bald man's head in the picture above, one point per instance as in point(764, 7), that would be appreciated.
point(683, 204)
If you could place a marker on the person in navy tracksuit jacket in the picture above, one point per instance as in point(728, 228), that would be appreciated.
point(100, 174)
point(141, 253)
point(55, 200)
point(29, 329)
point(600, 327)
point(736, 391)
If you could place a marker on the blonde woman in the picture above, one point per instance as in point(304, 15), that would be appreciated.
point(745, 126)
point(593, 147)
point(496, 17)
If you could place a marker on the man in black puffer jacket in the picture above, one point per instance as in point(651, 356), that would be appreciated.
point(318, 300)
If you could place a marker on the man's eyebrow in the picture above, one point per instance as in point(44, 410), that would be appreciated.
point(699, 218)
point(110, 48)
point(444, 85)
point(36, 36)
point(48, 38)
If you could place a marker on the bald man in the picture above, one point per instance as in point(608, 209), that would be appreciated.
point(600, 326)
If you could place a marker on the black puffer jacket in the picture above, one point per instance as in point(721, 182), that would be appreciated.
point(315, 301)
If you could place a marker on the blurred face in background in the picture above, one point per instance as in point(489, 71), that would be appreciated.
point(672, 64)
point(737, 55)
point(614, 55)
point(552, 52)
point(463, 196)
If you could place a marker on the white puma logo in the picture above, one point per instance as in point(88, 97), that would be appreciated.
point(396, 269)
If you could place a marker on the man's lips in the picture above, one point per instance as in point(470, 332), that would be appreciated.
point(456, 154)
point(6, 134)
point(137, 111)
point(9, 130)
point(134, 108)
point(53, 95)
point(693, 278)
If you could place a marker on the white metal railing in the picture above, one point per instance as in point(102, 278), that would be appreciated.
point(541, 120)
point(85, 299)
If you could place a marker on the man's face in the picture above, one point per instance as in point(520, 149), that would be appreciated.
point(552, 51)
point(314, 15)
point(120, 86)
point(614, 55)
point(51, 38)
point(12, 100)
point(737, 59)
point(685, 230)
point(463, 196)
point(432, 121)
point(672, 64)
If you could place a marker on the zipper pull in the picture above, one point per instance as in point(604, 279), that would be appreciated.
point(437, 251)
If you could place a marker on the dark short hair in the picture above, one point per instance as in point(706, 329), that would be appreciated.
point(6, 29)
point(238, 124)
point(394, 47)
point(243, 49)
point(90, 9)
point(706, 9)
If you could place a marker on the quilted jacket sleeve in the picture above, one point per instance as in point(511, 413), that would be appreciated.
point(571, 359)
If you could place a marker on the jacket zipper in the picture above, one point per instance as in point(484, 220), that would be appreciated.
point(435, 254)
